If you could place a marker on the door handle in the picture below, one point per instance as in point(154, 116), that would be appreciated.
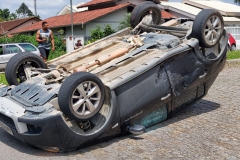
point(166, 97)
point(202, 76)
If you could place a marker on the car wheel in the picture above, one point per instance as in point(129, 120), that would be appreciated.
point(233, 47)
point(142, 9)
point(81, 96)
point(14, 71)
point(208, 27)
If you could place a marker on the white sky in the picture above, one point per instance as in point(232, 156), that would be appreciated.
point(45, 8)
point(49, 8)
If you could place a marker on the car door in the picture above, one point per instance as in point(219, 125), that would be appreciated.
point(186, 75)
point(146, 97)
point(10, 51)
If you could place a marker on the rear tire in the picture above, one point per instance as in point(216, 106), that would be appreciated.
point(14, 68)
point(142, 9)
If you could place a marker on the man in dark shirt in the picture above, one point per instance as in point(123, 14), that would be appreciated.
point(78, 44)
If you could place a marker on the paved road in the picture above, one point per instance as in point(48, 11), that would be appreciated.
point(208, 130)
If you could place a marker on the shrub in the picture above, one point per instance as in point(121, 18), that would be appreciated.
point(125, 22)
point(98, 33)
point(60, 47)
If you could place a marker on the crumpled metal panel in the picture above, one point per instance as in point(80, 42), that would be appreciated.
point(34, 94)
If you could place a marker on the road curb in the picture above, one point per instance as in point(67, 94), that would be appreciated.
point(233, 62)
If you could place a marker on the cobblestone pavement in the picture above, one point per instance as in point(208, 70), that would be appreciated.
point(208, 130)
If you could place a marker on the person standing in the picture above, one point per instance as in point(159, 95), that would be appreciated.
point(45, 38)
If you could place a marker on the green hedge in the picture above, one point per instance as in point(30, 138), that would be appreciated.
point(21, 38)
point(233, 54)
point(3, 79)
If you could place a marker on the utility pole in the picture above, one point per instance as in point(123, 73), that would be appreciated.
point(35, 7)
point(72, 21)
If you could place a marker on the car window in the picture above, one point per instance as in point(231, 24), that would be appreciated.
point(28, 47)
point(1, 50)
point(12, 49)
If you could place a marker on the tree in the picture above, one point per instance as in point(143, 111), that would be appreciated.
point(23, 11)
point(125, 22)
point(237, 2)
point(4, 14)
point(12, 16)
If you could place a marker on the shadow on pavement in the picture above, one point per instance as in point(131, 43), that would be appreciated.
point(201, 107)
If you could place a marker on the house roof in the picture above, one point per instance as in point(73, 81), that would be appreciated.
point(94, 2)
point(184, 9)
point(231, 19)
point(80, 18)
point(167, 15)
point(9, 25)
point(67, 9)
point(225, 9)
point(189, 11)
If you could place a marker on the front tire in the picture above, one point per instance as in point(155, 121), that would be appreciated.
point(14, 71)
point(81, 96)
point(208, 27)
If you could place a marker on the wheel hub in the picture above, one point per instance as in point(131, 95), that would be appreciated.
point(86, 98)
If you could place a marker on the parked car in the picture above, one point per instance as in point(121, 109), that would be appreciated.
point(122, 83)
point(7, 51)
point(231, 43)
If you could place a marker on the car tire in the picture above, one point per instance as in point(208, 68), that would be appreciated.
point(233, 47)
point(14, 66)
point(81, 96)
point(142, 9)
point(208, 27)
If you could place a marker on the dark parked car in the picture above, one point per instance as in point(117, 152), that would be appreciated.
point(123, 83)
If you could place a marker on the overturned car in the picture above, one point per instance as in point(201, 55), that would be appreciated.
point(123, 83)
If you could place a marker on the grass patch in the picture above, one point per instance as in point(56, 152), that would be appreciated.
point(233, 54)
point(3, 79)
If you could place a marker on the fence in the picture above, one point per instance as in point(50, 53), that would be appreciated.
point(235, 32)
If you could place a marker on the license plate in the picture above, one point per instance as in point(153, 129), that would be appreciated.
point(6, 128)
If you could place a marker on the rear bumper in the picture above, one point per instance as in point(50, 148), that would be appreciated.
point(43, 130)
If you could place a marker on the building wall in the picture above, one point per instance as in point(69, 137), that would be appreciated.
point(112, 19)
point(77, 31)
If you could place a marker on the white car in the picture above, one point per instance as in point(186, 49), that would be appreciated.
point(9, 50)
